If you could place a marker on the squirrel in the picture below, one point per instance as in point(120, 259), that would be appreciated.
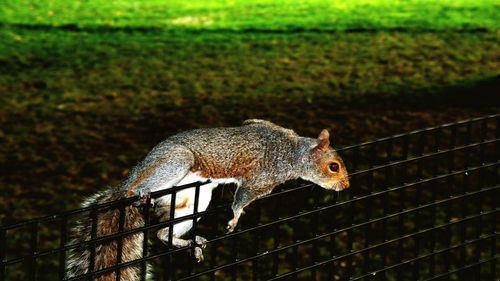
point(257, 156)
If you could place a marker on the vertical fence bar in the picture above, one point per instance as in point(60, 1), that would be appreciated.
point(497, 136)
point(385, 201)
point(497, 148)
point(369, 208)
point(350, 240)
point(255, 242)
point(482, 137)
point(62, 254)
point(195, 221)
point(479, 199)
point(213, 260)
point(315, 230)
point(295, 250)
point(493, 239)
point(119, 243)
point(234, 268)
point(493, 267)
point(145, 239)
point(464, 190)
point(169, 269)
point(418, 192)
point(435, 168)
point(34, 249)
point(402, 196)
point(450, 183)
point(333, 245)
point(3, 255)
point(276, 240)
point(93, 236)
point(234, 273)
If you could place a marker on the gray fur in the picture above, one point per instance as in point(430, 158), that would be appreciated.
point(260, 155)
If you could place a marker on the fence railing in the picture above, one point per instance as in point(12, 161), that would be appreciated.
point(422, 205)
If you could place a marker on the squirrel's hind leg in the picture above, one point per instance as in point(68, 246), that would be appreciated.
point(180, 229)
point(160, 171)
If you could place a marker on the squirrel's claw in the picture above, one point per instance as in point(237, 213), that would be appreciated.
point(231, 225)
point(200, 241)
point(198, 254)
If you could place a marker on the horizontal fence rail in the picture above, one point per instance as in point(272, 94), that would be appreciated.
point(423, 205)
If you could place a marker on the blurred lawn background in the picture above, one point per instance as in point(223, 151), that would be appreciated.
point(88, 87)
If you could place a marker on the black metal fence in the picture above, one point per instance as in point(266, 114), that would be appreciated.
point(422, 206)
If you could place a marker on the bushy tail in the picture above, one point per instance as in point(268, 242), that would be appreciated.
point(106, 252)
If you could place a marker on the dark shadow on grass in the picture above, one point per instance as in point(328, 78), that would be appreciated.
point(474, 93)
point(286, 30)
point(469, 93)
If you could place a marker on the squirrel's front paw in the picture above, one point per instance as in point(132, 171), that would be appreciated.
point(144, 196)
point(200, 241)
point(231, 225)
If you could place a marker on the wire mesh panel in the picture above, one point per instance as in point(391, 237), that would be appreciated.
point(422, 206)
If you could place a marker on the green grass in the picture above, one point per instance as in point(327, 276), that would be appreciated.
point(260, 14)
point(137, 54)
point(140, 71)
point(98, 54)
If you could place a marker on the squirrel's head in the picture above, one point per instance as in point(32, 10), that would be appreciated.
point(324, 166)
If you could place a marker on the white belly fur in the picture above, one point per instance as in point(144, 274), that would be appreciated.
point(189, 194)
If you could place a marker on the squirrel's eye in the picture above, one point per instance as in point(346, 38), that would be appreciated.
point(334, 167)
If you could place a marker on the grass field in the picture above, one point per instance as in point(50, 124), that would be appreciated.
point(258, 15)
point(60, 54)
point(87, 87)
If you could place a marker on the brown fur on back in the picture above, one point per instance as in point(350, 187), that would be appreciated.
point(241, 166)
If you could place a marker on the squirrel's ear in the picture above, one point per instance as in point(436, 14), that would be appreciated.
point(323, 140)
